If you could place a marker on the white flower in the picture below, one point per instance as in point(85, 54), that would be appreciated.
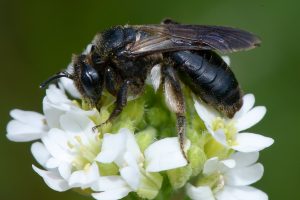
point(122, 149)
point(111, 188)
point(109, 166)
point(56, 103)
point(165, 154)
point(229, 179)
point(69, 153)
point(228, 131)
point(26, 126)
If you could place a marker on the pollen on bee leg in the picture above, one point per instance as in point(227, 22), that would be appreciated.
point(155, 76)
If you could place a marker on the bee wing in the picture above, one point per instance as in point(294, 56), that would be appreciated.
point(175, 37)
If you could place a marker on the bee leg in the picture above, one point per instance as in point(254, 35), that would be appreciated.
point(175, 101)
point(111, 80)
point(120, 103)
point(121, 100)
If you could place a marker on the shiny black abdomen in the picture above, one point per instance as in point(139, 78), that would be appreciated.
point(209, 77)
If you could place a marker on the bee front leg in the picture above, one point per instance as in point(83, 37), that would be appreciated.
point(121, 102)
point(111, 80)
point(175, 101)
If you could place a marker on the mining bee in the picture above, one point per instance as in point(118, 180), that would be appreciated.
point(122, 57)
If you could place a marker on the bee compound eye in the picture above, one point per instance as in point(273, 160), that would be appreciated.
point(91, 81)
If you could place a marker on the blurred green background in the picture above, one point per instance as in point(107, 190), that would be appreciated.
point(38, 37)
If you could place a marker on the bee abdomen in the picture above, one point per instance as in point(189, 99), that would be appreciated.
point(209, 77)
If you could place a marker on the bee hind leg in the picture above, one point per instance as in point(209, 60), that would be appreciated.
point(175, 101)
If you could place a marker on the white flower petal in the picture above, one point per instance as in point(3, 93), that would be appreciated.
point(52, 163)
point(164, 154)
point(29, 117)
point(130, 160)
point(26, 126)
point(52, 113)
point(105, 183)
point(87, 49)
point(59, 137)
point(199, 193)
point(84, 178)
point(213, 164)
point(40, 153)
point(112, 146)
point(115, 146)
point(226, 59)
point(75, 123)
point(56, 103)
point(245, 159)
point(132, 176)
point(131, 145)
point(241, 193)
point(228, 164)
point(248, 103)
point(110, 187)
point(114, 194)
point(56, 95)
point(65, 170)
point(250, 118)
point(52, 179)
point(245, 175)
point(69, 86)
point(19, 132)
point(210, 166)
point(250, 142)
point(220, 136)
point(227, 194)
point(56, 142)
point(205, 112)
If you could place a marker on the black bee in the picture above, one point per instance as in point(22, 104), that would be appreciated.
point(122, 57)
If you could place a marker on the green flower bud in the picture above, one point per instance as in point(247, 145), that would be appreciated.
point(145, 137)
point(131, 115)
point(197, 159)
point(150, 185)
point(215, 149)
point(178, 177)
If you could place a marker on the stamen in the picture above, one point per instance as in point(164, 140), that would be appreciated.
point(84, 154)
point(228, 127)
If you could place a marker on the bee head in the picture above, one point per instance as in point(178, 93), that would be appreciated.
point(88, 78)
point(88, 75)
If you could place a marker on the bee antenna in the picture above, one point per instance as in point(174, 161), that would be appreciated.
point(56, 76)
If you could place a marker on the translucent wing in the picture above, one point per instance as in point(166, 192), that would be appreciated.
point(175, 37)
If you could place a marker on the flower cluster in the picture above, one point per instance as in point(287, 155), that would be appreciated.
point(138, 155)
